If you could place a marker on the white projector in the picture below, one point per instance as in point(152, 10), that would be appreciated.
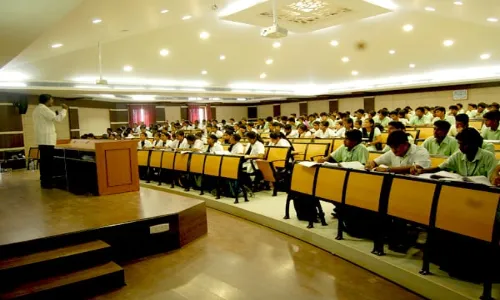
point(274, 32)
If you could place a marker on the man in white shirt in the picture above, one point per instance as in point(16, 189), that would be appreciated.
point(324, 132)
point(402, 157)
point(290, 132)
point(148, 134)
point(45, 135)
point(303, 132)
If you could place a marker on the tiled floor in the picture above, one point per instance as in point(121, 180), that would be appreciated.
point(403, 269)
point(241, 260)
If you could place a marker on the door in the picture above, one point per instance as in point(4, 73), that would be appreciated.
point(369, 104)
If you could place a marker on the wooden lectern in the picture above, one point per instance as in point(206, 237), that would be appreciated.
point(100, 167)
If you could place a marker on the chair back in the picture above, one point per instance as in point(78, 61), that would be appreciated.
point(384, 136)
point(337, 143)
point(301, 149)
point(267, 170)
point(302, 179)
point(497, 146)
point(212, 165)
point(478, 124)
point(231, 166)
point(330, 183)
point(436, 160)
point(467, 211)
point(374, 154)
point(364, 190)
point(328, 142)
point(425, 132)
point(497, 155)
point(406, 204)
point(280, 154)
point(167, 160)
point(143, 158)
point(181, 161)
point(197, 163)
point(226, 147)
point(315, 150)
point(34, 153)
point(155, 159)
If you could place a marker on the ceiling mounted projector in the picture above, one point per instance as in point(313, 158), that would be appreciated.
point(274, 32)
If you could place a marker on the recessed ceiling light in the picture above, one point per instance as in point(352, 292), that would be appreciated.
point(334, 43)
point(345, 59)
point(96, 21)
point(458, 3)
point(164, 11)
point(412, 66)
point(127, 68)
point(58, 45)
point(269, 61)
point(204, 35)
point(222, 57)
point(354, 73)
point(493, 20)
point(485, 56)
point(392, 51)
point(263, 75)
point(186, 17)
point(428, 8)
point(276, 44)
point(448, 43)
point(164, 52)
point(204, 72)
point(241, 99)
point(408, 27)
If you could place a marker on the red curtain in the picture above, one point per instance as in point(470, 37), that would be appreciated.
point(194, 112)
point(142, 114)
point(208, 112)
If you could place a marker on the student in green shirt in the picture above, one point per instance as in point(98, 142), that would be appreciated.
point(463, 122)
point(441, 143)
point(352, 150)
point(491, 131)
point(471, 160)
point(420, 119)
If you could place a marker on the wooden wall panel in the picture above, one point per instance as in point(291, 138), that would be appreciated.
point(369, 104)
point(160, 114)
point(184, 113)
point(333, 105)
point(11, 140)
point(119, 115)
point(10, 119)
point(214, 112)
point(74, 120)
point(277, 110)
point(303, 108)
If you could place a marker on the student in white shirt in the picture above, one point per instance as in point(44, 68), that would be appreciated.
point(402, 117)
point(278, 140)
point(440, 113)
point(157, 142)
point(394, 126)
point(147, 133)
point(166, 141)
point(236, 147)
point(255, 150)
point(373, 135)
point(324, 131)
point(471, 110)
point(303, 132)
point(143, 142)
point(383, 118)
point(402, 157)
point(180, 142)
point(213, 144)
point(290, 132)
point(460, 109)
point(324, 117)
point(339, 131)
point(45, 135)
point(315, 127)
point(194, 143)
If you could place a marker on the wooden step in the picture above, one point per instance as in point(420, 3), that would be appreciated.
point(48, 263)
point(73, 285)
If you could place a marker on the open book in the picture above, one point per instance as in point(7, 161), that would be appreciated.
point(349, 165)
point(444, 175)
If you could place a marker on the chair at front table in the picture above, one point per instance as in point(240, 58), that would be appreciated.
point(143, 163)
point(212, 169)
point(231, 169)
point(315, 151)
point(330, 186)
point(196, 166)
point(154, 162)
point(167, 163)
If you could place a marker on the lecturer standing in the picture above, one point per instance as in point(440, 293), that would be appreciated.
point(45, 135)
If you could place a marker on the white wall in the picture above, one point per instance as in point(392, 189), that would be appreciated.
point(318, 106)
point(290, 108)
point(351, 104)
point(264, 111)
point(93, 120)
point(172, 113)
point(228, 112)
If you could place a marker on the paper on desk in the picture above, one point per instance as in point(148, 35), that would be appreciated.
point(352, 165)
point(309, 164)
point(184, 152)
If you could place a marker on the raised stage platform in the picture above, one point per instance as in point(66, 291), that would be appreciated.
point(41, 226)
point(399, 268)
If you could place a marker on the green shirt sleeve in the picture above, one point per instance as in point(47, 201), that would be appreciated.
point(451, 163)
point(363, 155)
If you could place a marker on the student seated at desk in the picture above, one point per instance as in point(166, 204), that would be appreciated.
point(146, 132)
point(490, 129)
point(420, 118)
point(143, 142)
point(213, 144)
point(278, 140)
point(290, 132)
point(315, 127)
point(402, 157)
point(157, 142)
point(471, 160)
point(255, 150)
point(226, 137)
point(193, 144)
point(373, 135)
point(339, 131)
point(462, 122)
point(166, 141)
point(236, 147)
point(358, 124)
point(324, 131)
point(180, 142)
point(395, 126)
point(441, 143)
point(440, 114)
point(303, 132)
point(352, 150)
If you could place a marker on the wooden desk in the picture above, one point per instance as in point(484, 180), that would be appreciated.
point(101, 167)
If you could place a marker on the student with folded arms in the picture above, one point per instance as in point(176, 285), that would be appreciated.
point(352, 150)
point(402, 157)
point(441, 143)
point(471, 160)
